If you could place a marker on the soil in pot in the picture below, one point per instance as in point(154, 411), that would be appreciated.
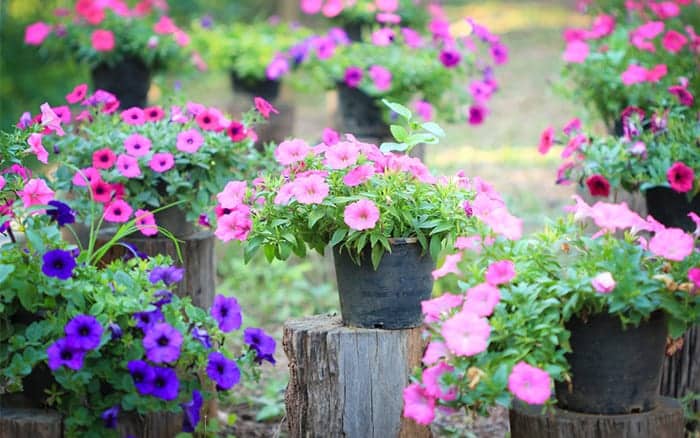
point(129, 80)
point(614, 371)
point(265, 88)
point(390, 297)
point(671, 208)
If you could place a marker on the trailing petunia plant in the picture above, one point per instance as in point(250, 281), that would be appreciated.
point(109, 32)
point(354, 195)
point(504, 336)
point(646, 57)
point(103, 344)
point(141, 159)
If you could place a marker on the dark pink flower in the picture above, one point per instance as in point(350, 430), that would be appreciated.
point(103, 158)
point(133, 116)
point(546, 140)
point(684, 96)
point(78, 94)
point(102, 40)
point(236, 131)
point(154, 113)
point(450, 57)
point(117, 211)
point(353, 76)
point(36, 33)
point(680, 177)
point(598, 185)
point(477, 114)
point(264, 107)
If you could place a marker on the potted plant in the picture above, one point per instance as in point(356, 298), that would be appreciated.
point(633, 58)
point(590, 313)
point(122, 46)
point(385, 216)
point(102, 344)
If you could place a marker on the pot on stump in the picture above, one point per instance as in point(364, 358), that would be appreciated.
point(129, 80)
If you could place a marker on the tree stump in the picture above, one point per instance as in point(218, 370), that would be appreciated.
point(666, 421)
point(349, 382)
point(197, 251)
point(680, 374)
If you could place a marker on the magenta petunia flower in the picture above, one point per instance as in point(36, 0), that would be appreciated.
point(161, 162)
point(381, 77)
point(684, 96)
point(466, 334)
point(137, 145)
point(418, 405)
point(603, 283)
point(634, 75)
point(598, 185)
point(236, 131)
point(133, 116)
point(128, 166)
point(412, 38)
point(154, 114)
point(233, 194)
point(146, 222)
point(694, 277)
point(424, 110)
point(435, 351)
point(189, 141)
point(500, 272)
point(37, 147)
point(117, 211)
point(674, 41)
point(291, 151)
point(101, 191)
point(449, 266)
point(162, 343)
point(546, 140)
point(207, 121)
point(85, 177)
point(353, 76)
point(434, 308)
point(35, 192)
point(359, 175)
point(361, 215)
point(63, 113)
point(330, 137)
point(36, 33)
point(576, 52)
point(103, 158)
point(482, 299)
point(680, 177)
point(342, 155)
point(164, 26)
point(78, 94)
point(477, 114)
point(499, 53)
point(311, 7)
point(311, 189)
point(102, 40)
point(450, 58)
point(432, 381)
point(530, 384)
point(264, 107)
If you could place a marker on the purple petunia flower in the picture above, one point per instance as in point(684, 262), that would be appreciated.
point(338, 35)
point(299, 52)
point(24, 120)
point(166, 274)
point(58, 263)
point(144, 320)
point(164, 297)
point(61, 213)
point(116, 331)
point(63, 352)
point(223, 371)
point(202, 336)
point(191, 410)
point(84, 332)
point(165, 383)
point(263, 344)
point(162, 343)
point(227, 313)
point(206, 21)
point(109, 416)
point(450, 58)
point(353, 76)
point(142, 374)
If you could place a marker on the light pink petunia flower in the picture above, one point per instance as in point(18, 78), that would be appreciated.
point(530, 384)
point(146, 222)
point(161, 162)
point(449, 266)
point(482, 299)
point(358, 175)
point(500, 272)
point(466, 334)
point(137, 145)
point(128, 166)
point(361, 215)
point(233, 194)
point(37, 147)
point(672, 244)
point(292, 151)
point(342, 155)
point(311, 189)
point(603, 283)
point(118, 211)
point(36, 192)
point(434, 308)
point(418, 405)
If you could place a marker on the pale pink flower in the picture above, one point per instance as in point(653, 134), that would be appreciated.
point(37, 147)
point(36, 192)
point(672, 244)
point(383, 36)
point(161, 162)
point(449, 266)
point(137, 145)
point(481, 299)
point(86, 176)
point(361, 215)
point(128, 166)
point(433, 309)
point(431, 380)
point(603, 283)
point(471, 243)
point(387, 5)
point(500, 272)
point(311, 6)
point(696, 220)
point(311, 189)
point(291, 151)
point(342, 155)
point(358, 175)
point(285, 193)
point(233, 194)
point(50, 120)
point(418, 405)
point(466, 334)
point(118, 211)
point(235, 225)
point(530, 384)
point(189, 141)
point(332, 8)
point(435, 351)
point(502, 222)
point(424, 110)
point(146, 222)
point(381, 77)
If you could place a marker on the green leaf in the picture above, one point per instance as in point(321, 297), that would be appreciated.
point(433, 128)
point(398, 109)
point(5, 270)
point(377, 253)
point(315, 216)
point(435, 247)
point(390, 147)
point(337, 236)
point(399, 133)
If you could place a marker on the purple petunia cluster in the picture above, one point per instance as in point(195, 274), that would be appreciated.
point(263, 344)
point(83, 334)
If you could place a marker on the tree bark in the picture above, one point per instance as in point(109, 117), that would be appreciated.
point(680, 374)
point(348, 382)
point(666, 421)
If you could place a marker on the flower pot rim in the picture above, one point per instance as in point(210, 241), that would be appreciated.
point(403, 240)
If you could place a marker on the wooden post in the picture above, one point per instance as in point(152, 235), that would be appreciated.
point(666, 421)
point(347, 381)
point(680, 374)
point(197, 251)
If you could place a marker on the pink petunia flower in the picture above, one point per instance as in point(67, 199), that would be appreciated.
point(189, 141)
point(431, 380)
point(449, 266)
point(387, 5)
point(381, 77)
point(208, 121)
point(37, 147)
point(435, 351)
point(481, 299)
point(383, 36)
point(332, 8)
point(164, 26)
point(424, 110)
point(342, 155)
point(361, 215)
point(264, 107)
point(500, 272)
point(63, 113)
point(412, 38)
point(359, 175)
point(530, 384)
point(680, 177)
point(674, 41)
point(235, 225)
point(78, 94)
point(137, 145)
point(634, 75)
point(434, 308)
point(103, 158)
point(598, 185)
point(128, 166)
point(330, 137)
point(684, 96)
point(576, 52)
point(694, 277)
point(672, 244)
point(133, 116)
point(603, 283)
point(36, 33)
point(161, 162)
point(656, 73)
point(146, 222)
point(154, 113)
point(236, 131)
point(466, 334)
point(546, 140)
point(311, 189)
point(233, 194)
point(418, 405)
point(50, 120)
point(353, 76)
point(36, 192)
point(291, 151)
point(86, 176)
point(477, 114)
point(118, 211)
point(101, 191)
point(311, 6)
point(285, 194)
point(102, 40)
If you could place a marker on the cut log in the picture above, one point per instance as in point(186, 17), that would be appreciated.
point(348, 382)
point(681, 371)
point(161, 425)
point(666, 421)
point(197, 251)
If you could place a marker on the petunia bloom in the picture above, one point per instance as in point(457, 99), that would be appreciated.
point(162, 343)
point(223, 371)
point(118, 211)
point(598, 185)
point(102, 40)
point(142, 375)
point(191, 412)
point(137, 145)
point(85, 332)
point(37, 148)
point(500, 272)
point(146, 222)
point(449, 266)
point(361, 215)
point(681, 177)
point(64, 353)
point(227, 313)
point(263, 344)
point(603, 283)
point(35, 192)
point(166, 385)
point(418, 405)
point(58, 263)
point(530, 384)
point(466, 334)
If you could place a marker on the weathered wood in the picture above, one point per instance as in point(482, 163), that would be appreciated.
point(279, 127)
point(666, 421)
point(680, 374)
point(197, 258)
point(348, 382)
point(161, 425)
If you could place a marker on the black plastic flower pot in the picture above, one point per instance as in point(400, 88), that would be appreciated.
point(129, 80)
point(265, 88)
point(390, 297)
point(671, 208)
point(353, 29)
point(360, 114)
point(614, 371)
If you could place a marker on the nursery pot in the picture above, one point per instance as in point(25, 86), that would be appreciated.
point(129, 80)
point(265, 88)
point(360, 114)
point(671, 208)
point(390, 297)
point(614, 370)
